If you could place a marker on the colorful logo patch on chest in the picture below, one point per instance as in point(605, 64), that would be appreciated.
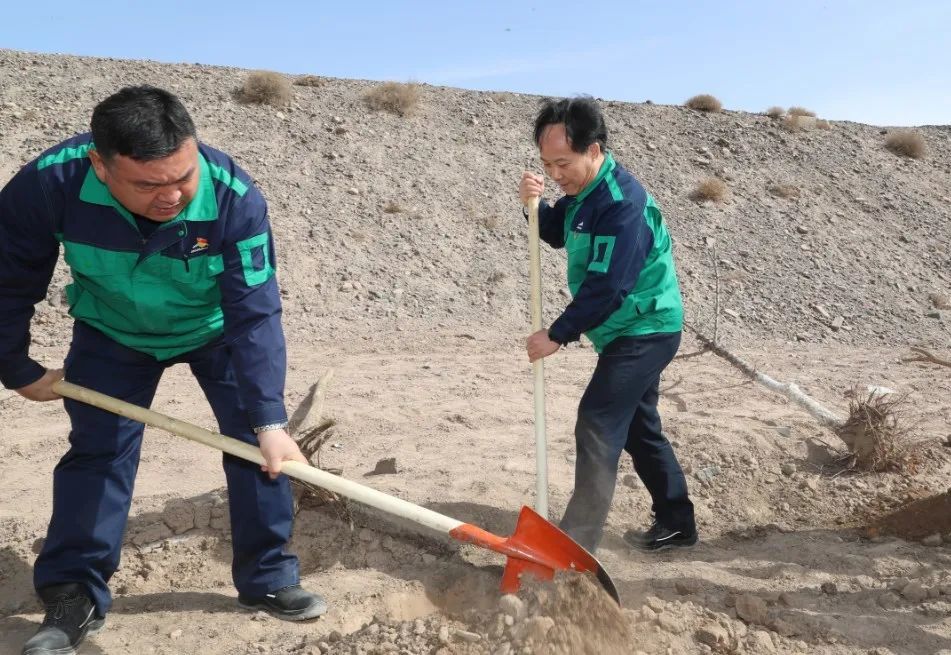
point(201, 245)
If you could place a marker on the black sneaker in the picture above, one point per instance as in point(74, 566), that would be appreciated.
point(70, 618)
point(659, 537)
point(290, 604)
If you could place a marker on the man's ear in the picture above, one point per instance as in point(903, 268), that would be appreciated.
point(98, 164)
point(594, 150)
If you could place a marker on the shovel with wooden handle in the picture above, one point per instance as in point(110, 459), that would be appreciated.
point(538, 366)
point(537, 548)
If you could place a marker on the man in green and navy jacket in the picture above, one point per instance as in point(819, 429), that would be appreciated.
point(172, 261)
point(626, 300)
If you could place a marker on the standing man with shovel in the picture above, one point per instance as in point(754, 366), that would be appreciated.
point(172, 259)
point(626, 300)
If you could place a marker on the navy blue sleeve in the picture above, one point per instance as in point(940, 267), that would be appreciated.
point(28, 253)
point(251, 302)
point(620, 243)
point(551, 223)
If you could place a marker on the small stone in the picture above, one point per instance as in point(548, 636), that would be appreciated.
point(630, 481)
point(651, 146)
point(731, 313)
point(443, 634)
point(932, 540)
point(647, 614)
point(940, 301)
point(151, 533)
point(934, 314)
point(656, 604)
point(784, 431)
point(712, 635)
point(829, 588)
point(802, 229)
point(760, 642)
point(385, 466)
point(280, 115)
point(788, 468)
point(179, 515)
point(353, 191)
point(671, 623)
point(688, 587)
point(752, 609)
point(536, 629)
point(822, 311)
point(470, 637)
point(811, 483)
point(914, 592)
point(419, 627)
point(837, 323)
point(706, 475)
point(175, 634)
point(512, 605)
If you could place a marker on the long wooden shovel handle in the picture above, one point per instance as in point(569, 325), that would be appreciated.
point(538, 367)
point(342, 486)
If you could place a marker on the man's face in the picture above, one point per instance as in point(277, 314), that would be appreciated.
point(569, 169)
point(158, 189)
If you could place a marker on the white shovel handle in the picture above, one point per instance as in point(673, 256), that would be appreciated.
point(342, 486)
point(538, 367)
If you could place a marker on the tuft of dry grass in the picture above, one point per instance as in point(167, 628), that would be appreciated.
point(265, 88)
point(392, 207)
point(712, 188)
point(906, 143)
point(399, 98)
point(875, 432)
point(784, 190)
point(800, 111)
point(704, 102)
point(775, 112)
point(309, 80)
point(823, 125)
point(798, 122)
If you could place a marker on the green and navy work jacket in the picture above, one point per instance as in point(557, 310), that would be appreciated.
point(620, 262)
point(207, 274)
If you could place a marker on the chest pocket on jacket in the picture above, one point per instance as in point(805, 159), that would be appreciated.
point(578, 248)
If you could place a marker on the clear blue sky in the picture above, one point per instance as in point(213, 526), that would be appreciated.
point(873, 61)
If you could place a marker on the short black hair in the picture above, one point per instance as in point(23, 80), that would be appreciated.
point(583, 119)
point(140, 122)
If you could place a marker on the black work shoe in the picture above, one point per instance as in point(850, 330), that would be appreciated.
point(290, 603)
point(659, 537)
point(70, 618)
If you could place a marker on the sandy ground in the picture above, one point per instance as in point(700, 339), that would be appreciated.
point(456, 414)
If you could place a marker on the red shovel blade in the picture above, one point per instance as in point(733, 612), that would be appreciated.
point(538, 549)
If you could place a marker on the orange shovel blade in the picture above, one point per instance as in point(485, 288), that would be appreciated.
point(538, 549)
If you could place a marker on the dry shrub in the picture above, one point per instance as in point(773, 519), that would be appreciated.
point(798, 122)
point(399, 98)
point(309, 80)
point(775, 112)
point(800, 111)
point(875, 432)
point(704, 102)
point(392, 207)
point(784, 190)
point(906, 143)
point(823, 125)
point(712, 188)
point(265, 88)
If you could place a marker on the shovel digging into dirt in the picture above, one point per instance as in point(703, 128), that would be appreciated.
point(537, 548)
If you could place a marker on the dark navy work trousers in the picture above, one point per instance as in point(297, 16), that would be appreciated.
point(92, 484)
point(618, 413)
